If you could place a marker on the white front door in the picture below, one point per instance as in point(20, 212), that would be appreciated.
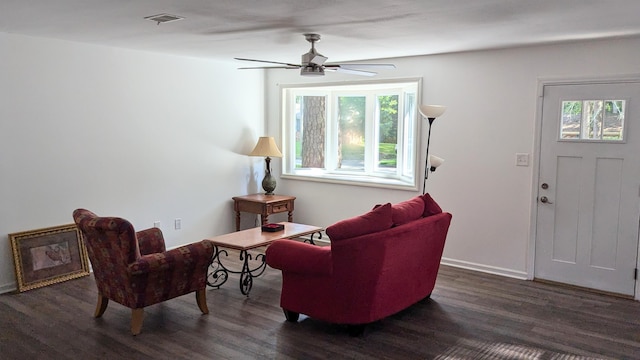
point(589, 186)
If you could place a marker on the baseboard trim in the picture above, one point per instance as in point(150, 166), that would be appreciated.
point(521, 275)
point(10, 287)
point(6, 288)
point(325, 241)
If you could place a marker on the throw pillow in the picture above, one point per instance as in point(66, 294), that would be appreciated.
point(375, 220)
point(430, 206)
point(407, 211)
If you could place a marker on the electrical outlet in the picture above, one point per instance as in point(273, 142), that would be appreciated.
point(177, 224)
point(522, 159)
point(156, 224)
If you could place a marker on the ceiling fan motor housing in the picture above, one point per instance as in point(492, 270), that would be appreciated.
point(310, 65)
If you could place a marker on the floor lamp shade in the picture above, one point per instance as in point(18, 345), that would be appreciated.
point(435, 162)
point(267, 147)
point(432, 111)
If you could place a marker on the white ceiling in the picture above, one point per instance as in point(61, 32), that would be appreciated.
point(350, 29)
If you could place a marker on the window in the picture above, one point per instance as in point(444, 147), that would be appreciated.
point(364, 133)
point(593, 120)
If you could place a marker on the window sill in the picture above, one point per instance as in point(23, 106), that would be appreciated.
point(368, 181)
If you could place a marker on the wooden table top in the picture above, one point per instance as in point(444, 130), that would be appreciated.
point(263, 198)
point(255, 237)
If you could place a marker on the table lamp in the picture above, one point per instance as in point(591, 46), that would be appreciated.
point(266, 146)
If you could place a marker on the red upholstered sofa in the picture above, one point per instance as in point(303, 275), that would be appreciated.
point(378, 264)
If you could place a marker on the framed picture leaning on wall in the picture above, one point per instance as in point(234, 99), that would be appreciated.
point(47, 256)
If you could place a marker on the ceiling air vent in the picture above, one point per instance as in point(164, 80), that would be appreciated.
point(163, 18)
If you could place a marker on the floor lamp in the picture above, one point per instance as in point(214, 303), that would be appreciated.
point(431, 112)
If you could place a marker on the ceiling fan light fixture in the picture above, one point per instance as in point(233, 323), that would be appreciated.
point(312, 71)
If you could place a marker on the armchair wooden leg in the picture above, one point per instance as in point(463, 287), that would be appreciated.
point(201, 299)
point(101, 306)
point(137, 315)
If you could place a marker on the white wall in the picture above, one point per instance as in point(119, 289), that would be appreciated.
point(154, 137)
point(123, 133)
point(491, 98)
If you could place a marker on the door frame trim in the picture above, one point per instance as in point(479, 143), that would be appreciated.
point(535, 173)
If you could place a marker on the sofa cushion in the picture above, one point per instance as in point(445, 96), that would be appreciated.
point(375, 220)
point(430, 206)
point(407, 211)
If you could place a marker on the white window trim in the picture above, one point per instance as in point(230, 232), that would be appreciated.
point(344, 177)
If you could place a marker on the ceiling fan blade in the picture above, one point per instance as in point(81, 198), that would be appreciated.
point(355, 71)
point(313, 63)
point(363, 66)
point(269, 67)
point(270, 62)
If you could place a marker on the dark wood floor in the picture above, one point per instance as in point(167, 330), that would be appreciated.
point(469, 316)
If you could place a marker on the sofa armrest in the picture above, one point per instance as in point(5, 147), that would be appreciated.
point(197, 254)
point(150, 241)
point(298, 257)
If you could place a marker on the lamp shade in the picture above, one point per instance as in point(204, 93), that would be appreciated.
point(266, 146)
point(432, 111)
point(435, 161)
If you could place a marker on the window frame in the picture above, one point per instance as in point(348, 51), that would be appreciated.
point(409, 147)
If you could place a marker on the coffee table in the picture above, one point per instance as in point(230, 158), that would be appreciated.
point(246, 240)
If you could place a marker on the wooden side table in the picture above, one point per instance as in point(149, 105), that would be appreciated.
point(264, 205)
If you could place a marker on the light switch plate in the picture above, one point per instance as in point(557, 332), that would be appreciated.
point(522, 159)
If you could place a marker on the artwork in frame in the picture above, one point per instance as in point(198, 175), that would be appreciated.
point(47, 256)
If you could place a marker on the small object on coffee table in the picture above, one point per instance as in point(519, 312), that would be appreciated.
point(272, 227)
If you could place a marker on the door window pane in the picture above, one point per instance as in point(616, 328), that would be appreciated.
point(613, 120)
point(601, 120)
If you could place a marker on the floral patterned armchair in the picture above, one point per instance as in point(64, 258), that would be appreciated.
point(134, 269)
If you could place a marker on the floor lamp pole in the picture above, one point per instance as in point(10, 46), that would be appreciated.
point(426, 160)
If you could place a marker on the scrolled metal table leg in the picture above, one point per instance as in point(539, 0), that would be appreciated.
point(246, 279)
point(218, 274)
point(247, 274)
point(310, 240)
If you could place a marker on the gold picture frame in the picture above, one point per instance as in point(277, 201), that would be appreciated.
point(48, 256)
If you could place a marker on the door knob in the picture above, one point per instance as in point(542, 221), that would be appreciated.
point(545, 200)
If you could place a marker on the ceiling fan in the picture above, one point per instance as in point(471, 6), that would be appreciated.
point(313, 63)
